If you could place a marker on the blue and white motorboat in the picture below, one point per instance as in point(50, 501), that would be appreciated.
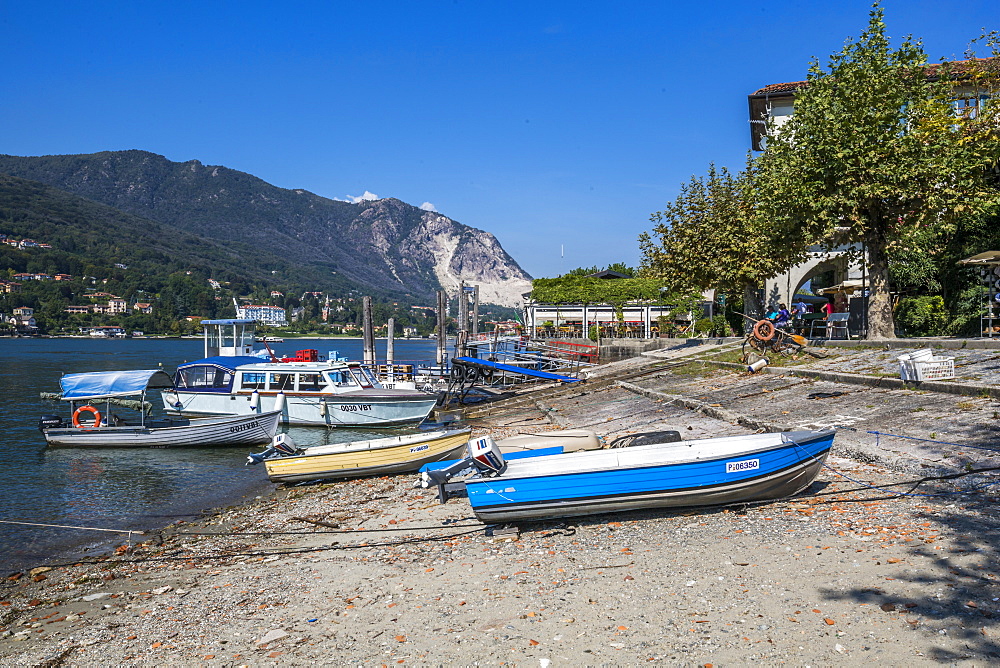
point(233, 379)
point(716, 471)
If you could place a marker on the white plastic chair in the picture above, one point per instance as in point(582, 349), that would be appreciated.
point(834, 322)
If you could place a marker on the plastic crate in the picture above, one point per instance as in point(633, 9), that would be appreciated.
point(924, 365)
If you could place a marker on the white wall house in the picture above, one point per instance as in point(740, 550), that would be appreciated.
point(267, 315)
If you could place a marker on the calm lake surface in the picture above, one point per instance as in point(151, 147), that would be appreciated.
point(126, 488)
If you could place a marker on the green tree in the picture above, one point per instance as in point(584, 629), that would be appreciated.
point(875, 153)
point(709, 237)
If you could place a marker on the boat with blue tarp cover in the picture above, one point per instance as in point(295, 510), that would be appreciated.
point(716, 471)
point(127, 389)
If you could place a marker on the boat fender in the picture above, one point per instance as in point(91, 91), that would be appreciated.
point(279, 402)
point(255, 401)
point(757, 366)
point(322, 408)
point(485, 454)
point(86, 409)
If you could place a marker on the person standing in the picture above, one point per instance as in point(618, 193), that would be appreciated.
point(828, 308)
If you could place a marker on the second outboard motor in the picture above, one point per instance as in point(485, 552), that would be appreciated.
point(281, 445)
point(284, 444)
point(485, 454)
point(49, 422)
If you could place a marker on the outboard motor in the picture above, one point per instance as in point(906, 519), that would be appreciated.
point(486, 455)
point(483, 455)
point(49, 422)
point(281, 445)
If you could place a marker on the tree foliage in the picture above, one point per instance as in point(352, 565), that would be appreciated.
point(875, 153)
point(616, 292)
point(709, 237)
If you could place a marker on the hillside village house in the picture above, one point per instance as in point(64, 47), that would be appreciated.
point(770, 108)
point(9, 287)
point(23, 320)
point(143, 307)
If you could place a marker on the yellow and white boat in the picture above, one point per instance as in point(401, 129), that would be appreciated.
point(358, 459)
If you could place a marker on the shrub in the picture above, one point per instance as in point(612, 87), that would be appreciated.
point(921, 316)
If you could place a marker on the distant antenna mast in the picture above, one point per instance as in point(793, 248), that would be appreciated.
point(562, 254)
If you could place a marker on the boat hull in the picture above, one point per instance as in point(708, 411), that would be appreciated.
point(220, 431)
point(361, 408)
point(653, 476)
point(384, 456)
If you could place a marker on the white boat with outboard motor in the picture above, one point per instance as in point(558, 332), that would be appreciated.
point(126, 389)
point(731, 469)
point(287, 463)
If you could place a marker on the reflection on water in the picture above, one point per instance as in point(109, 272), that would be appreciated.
point(120, 488)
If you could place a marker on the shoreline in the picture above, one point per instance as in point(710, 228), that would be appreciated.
point(846, 572)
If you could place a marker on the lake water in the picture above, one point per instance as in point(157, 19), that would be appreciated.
point(122, 488)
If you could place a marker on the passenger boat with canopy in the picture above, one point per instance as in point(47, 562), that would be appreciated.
point(90, 427)
point(335, 393)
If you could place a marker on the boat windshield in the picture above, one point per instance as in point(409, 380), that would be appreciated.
point(370, 375)
point(204, 377)
point(341, 378)
point(361, 377)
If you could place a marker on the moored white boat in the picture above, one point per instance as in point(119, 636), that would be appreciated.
point(91, 428)
point(307, 390)
point(334, 394)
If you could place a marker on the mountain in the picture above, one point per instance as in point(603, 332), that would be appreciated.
point(91, 238)
point(384, 247)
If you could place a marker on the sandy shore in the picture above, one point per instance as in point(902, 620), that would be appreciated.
point(848, 572)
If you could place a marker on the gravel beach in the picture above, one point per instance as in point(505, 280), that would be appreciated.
point(889, 557)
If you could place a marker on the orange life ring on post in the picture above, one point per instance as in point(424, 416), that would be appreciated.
point(86, 409)
point(764, 330)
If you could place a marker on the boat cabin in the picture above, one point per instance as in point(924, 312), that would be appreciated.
point(229, 338)
point(244, 375)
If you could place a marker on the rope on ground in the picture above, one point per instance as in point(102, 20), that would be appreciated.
point(878, 434)
point(266, 553)
point(921, 481)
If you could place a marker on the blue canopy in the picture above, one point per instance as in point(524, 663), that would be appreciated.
point(101, 384)
point(226, 361)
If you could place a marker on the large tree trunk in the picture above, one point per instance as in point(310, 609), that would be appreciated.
point(751, 305)
point(881, 324)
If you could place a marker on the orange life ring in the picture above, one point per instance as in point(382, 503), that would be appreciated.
point(86, 409)
point(764, 330)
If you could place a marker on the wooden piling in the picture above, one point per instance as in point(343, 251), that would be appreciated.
point(367, 330)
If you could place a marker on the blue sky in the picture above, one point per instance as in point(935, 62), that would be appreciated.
point(553, 125)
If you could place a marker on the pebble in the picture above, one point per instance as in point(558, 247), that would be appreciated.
point(271, 636)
